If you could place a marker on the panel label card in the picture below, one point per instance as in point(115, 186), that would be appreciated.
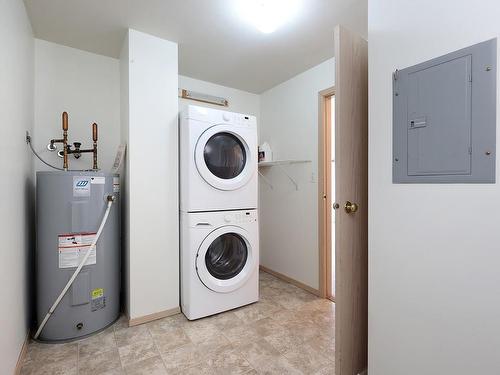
point(81, 186)
point(73, 247)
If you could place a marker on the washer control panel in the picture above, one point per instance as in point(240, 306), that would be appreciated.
point(210, 220)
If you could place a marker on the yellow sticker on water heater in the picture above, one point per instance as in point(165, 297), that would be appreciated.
point(97, 293)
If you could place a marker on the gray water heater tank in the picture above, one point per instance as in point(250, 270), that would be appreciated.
point(69, 210)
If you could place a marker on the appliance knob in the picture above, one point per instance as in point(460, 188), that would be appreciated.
point(227, 218)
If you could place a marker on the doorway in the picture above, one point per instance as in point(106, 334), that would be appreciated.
point(327, 191)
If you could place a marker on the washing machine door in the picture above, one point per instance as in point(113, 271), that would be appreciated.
point(223, 157)
point(225, 259)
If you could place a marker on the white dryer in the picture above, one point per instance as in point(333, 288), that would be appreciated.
point(219, 261)
point(218, 160)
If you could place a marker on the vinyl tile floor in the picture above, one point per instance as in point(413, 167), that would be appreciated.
point(289, 331)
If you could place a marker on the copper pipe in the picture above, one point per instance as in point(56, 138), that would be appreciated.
point(65, 140)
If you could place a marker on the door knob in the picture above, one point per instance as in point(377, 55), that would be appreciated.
point(336, 206)
point(350, 208)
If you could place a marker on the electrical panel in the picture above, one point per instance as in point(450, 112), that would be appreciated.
point(444, 118)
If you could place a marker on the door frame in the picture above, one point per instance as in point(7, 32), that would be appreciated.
point(324, 191)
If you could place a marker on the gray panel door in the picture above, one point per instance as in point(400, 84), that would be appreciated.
point(439, 119)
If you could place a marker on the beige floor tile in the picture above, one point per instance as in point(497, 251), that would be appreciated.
point(68, 367)
point(225, 321)
point(257, 311)
point(226, 362)
point(304, 329)
point(255, 351)
point(242, 334)
point(289, 331)
point(150, 366)
point(289, 301)
point(181, 358)
point(307, 359)
point(122, 322)
point(264, 358)
point(329, 370)
point(169, 338)
point(322, 317)
point(177, 320)
point(325, 305)
point(138, 351)
point(97, 343)
point(295, 299)
point(283, 341)
point(129, 335)
point(114, 371)
point(201, 330)
point(285, 316)
point(101, 363)
point(249, 313)
point(51, 353)
point(325, 344)
point(267, 326)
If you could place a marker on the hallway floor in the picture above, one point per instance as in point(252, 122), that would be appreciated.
point(289, 331)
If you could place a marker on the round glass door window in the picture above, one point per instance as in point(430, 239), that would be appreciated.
point(225, 155)
point(226, 256)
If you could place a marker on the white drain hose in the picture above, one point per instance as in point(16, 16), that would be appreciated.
point(110, 200)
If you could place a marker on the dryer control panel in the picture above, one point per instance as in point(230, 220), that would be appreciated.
point(216, 116)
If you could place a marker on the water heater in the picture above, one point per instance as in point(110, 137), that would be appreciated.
point(69, 209)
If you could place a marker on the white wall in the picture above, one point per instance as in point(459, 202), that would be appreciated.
point(150, 124)
point(16, 183)
point(434, 258)
point(239, 101)
point(85, 85)
point(289, 218)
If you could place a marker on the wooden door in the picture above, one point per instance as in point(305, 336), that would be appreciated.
point(351, 229)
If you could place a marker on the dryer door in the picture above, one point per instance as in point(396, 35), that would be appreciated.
point(223, 157)
point(225, 259)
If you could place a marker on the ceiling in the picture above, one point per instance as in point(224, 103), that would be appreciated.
point(214, 44)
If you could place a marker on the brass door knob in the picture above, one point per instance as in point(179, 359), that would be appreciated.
point(350, 208)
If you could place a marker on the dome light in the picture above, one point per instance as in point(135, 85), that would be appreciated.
point(267, 15)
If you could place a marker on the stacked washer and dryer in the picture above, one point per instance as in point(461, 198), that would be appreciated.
point(218, 202)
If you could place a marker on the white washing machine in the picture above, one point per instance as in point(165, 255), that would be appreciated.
point(219, 261)
point(218, 160)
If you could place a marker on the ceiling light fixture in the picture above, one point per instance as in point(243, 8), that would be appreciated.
point(267, 15)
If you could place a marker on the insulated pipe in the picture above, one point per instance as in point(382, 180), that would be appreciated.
point(65, 139)
point(110, 199)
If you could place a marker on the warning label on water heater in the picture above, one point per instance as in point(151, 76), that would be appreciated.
point(116, 184)
point(98, 299)
point(73, 247)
